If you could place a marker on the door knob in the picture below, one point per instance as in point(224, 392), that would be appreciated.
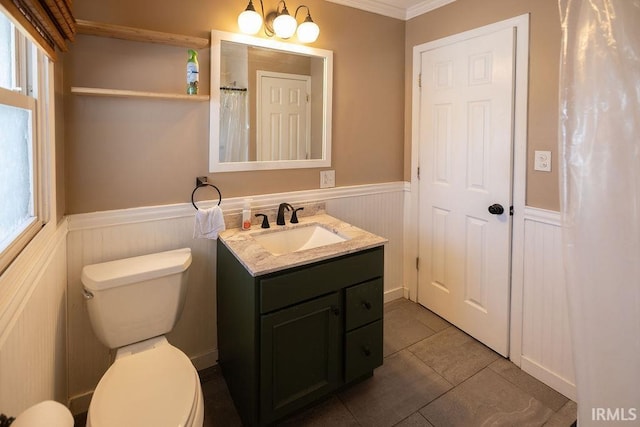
point(496, 209)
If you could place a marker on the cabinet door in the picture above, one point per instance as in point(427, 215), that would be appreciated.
point(300, 355)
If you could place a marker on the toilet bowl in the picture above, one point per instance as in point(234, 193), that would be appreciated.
point(132, 303)
point(149, 384)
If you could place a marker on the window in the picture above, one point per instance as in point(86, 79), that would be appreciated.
point(21, 215)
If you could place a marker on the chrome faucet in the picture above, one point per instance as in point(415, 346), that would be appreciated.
point(281, 209)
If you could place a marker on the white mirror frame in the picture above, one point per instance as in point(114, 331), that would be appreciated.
point(215, 165)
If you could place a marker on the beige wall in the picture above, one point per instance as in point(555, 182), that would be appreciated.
point(463, 15)
point(125, 153)
point(122, 153)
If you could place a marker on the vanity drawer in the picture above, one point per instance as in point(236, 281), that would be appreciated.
point(363, 303)
point(363, 350)
point(306, 282)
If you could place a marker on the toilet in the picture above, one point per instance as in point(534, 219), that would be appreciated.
point(132, 303)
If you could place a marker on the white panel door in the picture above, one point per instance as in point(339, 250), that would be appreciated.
point(284, 116)
point(466, 105)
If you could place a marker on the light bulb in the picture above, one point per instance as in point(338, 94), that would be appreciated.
point(308, 31)
point(284, 25)
point(250, 21)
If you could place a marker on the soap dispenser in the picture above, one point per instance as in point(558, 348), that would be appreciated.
point(246, 214)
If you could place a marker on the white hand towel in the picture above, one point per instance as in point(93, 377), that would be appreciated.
point(209, 222)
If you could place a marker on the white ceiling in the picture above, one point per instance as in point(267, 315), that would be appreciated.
point(400, 9)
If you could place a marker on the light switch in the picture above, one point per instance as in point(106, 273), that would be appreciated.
point(327, 178)
point(542, 161)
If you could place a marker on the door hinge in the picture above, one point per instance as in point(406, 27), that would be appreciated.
point(420, 80)
point(417, 263)
point(418, 172)
point(511, 210)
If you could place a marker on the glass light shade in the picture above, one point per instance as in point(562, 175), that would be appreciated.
point(308, 31)
point(249, 21)
point(284, 26)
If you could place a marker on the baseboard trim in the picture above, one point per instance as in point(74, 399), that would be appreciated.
point(548, 377)
point(80, 403)
point(394, 294)
point(205, 360)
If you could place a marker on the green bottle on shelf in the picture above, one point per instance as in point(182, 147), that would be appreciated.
point(192, 72)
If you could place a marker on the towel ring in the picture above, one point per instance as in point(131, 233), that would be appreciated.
point(205, 185)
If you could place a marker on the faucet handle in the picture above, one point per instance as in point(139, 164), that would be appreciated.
point(294, 215)
point(265, 221)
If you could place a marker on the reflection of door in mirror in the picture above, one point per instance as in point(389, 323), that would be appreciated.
point(283, 116)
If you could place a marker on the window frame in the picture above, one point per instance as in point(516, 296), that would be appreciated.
point(30, 81)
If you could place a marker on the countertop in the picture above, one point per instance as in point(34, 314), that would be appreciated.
point(258, 261)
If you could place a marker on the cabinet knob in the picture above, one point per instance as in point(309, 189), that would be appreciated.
point(335, 311)
point(366, 351)
point(366, 304)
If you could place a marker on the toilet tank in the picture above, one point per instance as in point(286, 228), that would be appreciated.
point(133, 299)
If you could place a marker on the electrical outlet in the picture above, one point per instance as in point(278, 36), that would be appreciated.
point(542, 161)
point(328, 179)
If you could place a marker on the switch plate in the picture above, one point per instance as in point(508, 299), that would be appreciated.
point(542, 161)
point(327, 178)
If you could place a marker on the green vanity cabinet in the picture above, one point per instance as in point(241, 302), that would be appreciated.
point(288, 338)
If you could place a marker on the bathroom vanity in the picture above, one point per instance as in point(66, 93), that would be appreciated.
point(296, 326)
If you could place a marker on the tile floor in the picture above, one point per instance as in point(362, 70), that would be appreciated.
point(433, 375)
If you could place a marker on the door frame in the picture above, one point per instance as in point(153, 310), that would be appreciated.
point(521, 62)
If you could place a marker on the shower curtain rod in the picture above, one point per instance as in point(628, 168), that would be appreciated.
point(238, 89)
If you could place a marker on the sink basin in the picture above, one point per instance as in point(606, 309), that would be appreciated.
point(297, 239)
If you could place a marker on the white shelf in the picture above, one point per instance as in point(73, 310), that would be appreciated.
point(119, 93)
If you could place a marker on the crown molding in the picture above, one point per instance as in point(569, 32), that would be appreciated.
point(425, 6)
point(392, 9)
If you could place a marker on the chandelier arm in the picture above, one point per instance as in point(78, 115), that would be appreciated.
point(298, 8)
point(284, 8)
point(267, 26)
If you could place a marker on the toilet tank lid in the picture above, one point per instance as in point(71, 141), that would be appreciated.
point(97, 277)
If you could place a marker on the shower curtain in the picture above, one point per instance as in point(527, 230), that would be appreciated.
point(600, 188)
point(234, 126)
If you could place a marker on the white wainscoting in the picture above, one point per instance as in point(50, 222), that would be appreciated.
point(33, 365)
point(546, 351)
point(382, 214)
point(103, 236)
point(195, 332)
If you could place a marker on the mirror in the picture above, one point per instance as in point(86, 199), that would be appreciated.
point(270, 104)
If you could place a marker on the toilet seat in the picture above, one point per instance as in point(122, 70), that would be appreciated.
point(157, 386)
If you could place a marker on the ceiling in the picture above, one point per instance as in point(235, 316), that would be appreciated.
point(400, 9)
